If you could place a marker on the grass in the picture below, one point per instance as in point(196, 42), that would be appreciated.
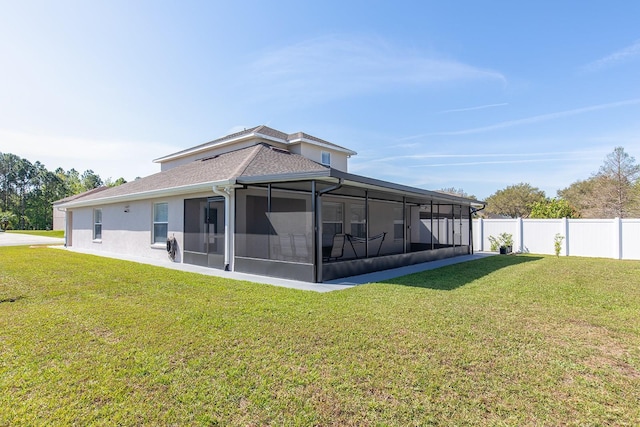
point(506, 340)
point(44, 233)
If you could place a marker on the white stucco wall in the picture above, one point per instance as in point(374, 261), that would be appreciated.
point(130, 232)
point(313, 152)
point(59, 219)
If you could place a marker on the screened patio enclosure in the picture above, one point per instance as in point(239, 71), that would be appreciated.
point(317, 230)
point(204, 231)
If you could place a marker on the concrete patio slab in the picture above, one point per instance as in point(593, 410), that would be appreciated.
point(334, 285)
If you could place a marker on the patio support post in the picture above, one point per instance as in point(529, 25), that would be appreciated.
point(366, 216)
point(432, 230)
point(317, 261)
point(231, 229)
point(318, 223)
point(453, 225)
point(269, 214)
point(470, 230)
point(404, 224)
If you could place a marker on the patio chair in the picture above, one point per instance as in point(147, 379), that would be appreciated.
point(337, 247)
point(286, 248)
point(354, 239)
point(300, 247)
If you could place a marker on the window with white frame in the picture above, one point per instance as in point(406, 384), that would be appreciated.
point(326, 158)
point(398, 223)
point(160, 222)
point(97, 224)
point(358, 221)
point(332, 221)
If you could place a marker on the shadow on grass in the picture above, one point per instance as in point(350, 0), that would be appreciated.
point(457, 275)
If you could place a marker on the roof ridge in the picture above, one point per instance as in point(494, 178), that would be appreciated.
point(245, 163)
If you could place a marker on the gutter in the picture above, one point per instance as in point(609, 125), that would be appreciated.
point(317, 215)
point(142, 195)
point(227, 190)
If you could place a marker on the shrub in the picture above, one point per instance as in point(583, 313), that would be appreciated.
point(557, 243)
point(502, 241)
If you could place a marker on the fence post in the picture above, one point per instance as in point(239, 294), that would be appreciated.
point(617, 238)
point(565, 241)
point(480, 224)
point(520, 235)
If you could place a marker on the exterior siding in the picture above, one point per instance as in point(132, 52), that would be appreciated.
point(129, 232)
point(59, 219)
point(313, 152)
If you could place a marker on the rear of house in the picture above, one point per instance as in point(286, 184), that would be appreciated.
point(265, 202)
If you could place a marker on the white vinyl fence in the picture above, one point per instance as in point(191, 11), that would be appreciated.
point(605, 238)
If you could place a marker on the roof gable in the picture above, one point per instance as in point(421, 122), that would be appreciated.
point(257, 160)
point(261, 132)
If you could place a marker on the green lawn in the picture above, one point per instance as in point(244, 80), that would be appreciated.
point(506, 340)
point(45, 233)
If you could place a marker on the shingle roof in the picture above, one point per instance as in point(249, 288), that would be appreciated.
point(273, 161)
point(79, 195)
point(256, 130)
point(257, 160)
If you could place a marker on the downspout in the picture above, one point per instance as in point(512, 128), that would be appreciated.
point(318, 226)
point(229, 214)
point(473, 210)
point(332, 188)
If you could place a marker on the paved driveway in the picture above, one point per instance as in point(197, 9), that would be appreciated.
point(14, 239)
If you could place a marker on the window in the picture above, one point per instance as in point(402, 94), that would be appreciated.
point(331, 222)
point(358, 221)
point(398, 223)
point(160, 222)
point(326, 158)
point(97, 224)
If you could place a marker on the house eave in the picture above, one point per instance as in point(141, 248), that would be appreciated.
point(246, 137)
point(208, 146)
point(322, 145)
point(145, 195)
point(334, 175)
point(285, 177)
point(400, 189)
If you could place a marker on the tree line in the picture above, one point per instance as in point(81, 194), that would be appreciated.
point(613, 191)
point(27, 191)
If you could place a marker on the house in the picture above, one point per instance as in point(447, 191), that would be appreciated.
point(266, 202)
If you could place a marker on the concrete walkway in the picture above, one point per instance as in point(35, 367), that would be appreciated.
point(333, 285)
point(16, 239)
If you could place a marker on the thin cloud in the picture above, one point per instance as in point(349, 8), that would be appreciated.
point(615, 58)
point(491, 162)
point(480, 107)
point(484, 155)
point(532, 120)
point(340, 66)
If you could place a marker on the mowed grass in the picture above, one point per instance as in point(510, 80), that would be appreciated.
point(506, 340)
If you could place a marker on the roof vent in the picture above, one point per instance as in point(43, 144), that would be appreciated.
point(279, 150)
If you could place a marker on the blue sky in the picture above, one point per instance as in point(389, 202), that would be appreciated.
point(433, 94)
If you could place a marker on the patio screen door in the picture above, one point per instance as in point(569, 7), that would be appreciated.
point(214, 231)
